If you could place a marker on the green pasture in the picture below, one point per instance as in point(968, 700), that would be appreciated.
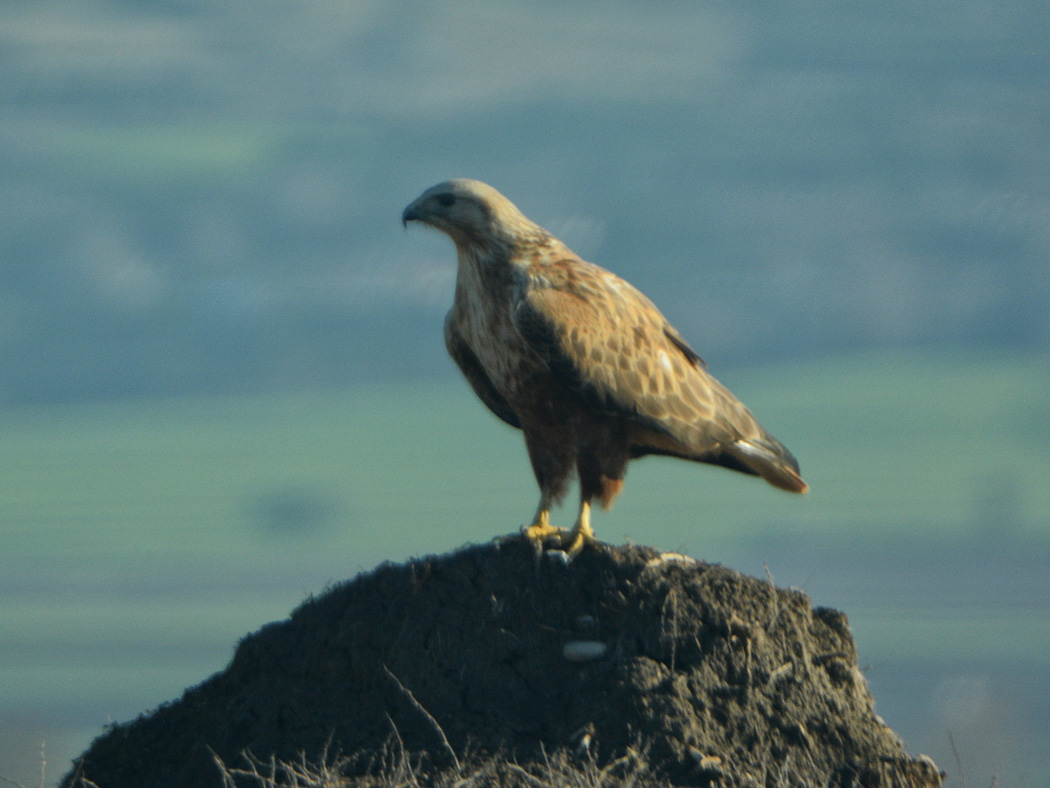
point(142, 539)
point(888, 440)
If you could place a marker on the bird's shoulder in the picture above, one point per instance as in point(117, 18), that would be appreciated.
point(583, 302)
point(555, 265)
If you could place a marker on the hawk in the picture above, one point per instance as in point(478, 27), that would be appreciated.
point(581, 362)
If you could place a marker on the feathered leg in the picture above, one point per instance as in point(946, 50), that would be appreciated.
point(601, 466)
point(552, 463)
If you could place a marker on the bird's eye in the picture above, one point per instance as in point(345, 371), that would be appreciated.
point(447, 199)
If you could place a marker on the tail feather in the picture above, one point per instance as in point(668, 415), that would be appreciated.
point(773, 462)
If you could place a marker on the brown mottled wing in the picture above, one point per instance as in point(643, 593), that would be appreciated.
point(475, 374)
point(602, 338)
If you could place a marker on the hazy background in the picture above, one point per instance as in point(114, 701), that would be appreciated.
point(206, 298)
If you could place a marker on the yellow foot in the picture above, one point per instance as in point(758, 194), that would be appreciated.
point(541, 533)
point(576, 540)
point(582, 534)
point(547, 536)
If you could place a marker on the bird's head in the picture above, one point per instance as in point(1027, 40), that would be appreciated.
point(470, 212)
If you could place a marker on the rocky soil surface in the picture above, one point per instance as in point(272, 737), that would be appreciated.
point(487, 666)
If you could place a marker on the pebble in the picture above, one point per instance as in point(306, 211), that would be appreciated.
point(584, 650)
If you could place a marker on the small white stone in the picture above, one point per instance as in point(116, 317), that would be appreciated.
point(665, 558)
point(558, 557)
point(584, 650)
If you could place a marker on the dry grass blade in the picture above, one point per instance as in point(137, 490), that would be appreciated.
point(273, 773)
point(420, 708)
point(958, 760)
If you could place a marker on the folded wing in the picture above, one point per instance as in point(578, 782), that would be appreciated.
point(604, 339)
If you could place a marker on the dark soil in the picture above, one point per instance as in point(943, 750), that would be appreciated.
point(459, 662)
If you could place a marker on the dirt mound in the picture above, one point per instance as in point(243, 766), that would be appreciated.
point(485, 659)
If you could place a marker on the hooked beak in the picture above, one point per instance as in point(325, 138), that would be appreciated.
point(410, 214)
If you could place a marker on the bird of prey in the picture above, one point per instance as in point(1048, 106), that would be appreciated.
point(582, 362)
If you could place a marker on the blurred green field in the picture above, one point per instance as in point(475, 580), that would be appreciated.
point(141, 539)
point(888, 439)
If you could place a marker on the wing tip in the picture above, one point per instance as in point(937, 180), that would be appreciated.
point(784, 477)
point(780, 470)
point(797, 485)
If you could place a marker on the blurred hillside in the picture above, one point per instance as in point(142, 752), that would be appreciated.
point(203, 196)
